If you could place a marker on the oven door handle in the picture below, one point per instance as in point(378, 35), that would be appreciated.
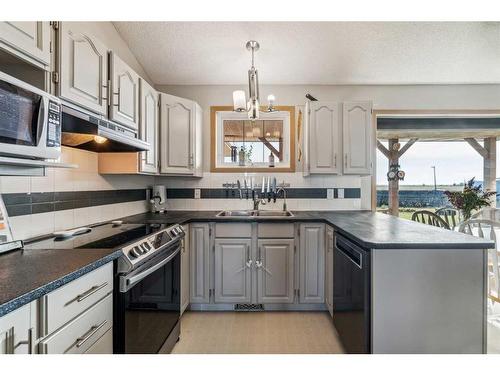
point(132, 280)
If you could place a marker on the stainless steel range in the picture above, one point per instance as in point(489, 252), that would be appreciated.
point(147, 281)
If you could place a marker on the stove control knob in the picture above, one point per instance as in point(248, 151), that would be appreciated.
point(134, 253)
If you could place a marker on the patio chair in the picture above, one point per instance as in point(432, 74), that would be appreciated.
point(487, 229)
point(451, 215)
point(430, 218)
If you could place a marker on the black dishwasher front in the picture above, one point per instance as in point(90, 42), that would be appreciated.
point(351, 295)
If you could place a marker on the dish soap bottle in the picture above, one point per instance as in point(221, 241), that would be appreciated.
point(271, 160)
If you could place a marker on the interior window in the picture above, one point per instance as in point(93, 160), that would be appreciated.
point(263, 144)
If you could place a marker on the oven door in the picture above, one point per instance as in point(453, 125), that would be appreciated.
point(148, 305)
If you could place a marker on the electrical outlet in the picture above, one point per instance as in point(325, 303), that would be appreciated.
point(329, 193)
point(340, 193)
point(197, 193)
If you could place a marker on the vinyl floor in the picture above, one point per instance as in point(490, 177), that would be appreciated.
point(257, 333)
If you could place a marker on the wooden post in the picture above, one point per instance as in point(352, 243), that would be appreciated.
point(490, 167)
point(393, 184)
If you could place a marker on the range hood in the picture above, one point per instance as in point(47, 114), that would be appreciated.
point(88, 132)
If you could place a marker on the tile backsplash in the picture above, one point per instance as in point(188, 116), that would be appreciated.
point(84, 196)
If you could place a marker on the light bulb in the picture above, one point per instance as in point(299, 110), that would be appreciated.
point(99, 139)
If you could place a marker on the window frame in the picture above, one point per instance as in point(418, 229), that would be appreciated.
point(219, 113)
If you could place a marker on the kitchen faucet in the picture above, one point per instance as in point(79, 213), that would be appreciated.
point(284, 196)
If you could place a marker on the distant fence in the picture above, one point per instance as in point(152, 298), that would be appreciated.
point(415, 198)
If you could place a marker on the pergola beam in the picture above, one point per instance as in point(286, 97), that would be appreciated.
point(407, 146)
point(383, 149)
point(476, 146)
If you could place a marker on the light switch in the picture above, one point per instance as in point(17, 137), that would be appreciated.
point(197, 193)
point(329, 194)
point(340, 193)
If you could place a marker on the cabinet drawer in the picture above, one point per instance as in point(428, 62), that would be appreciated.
point(80, 334)
point(285, 230)
point(104, 345)
point(233, 230)
point(65, 303)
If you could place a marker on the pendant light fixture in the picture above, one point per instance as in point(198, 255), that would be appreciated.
point(240, 104)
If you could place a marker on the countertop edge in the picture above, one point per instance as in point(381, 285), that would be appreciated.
point(28, 297)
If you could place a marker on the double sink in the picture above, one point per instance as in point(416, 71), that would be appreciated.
point(254, 213)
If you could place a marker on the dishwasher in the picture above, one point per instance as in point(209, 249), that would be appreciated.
point(352, 295)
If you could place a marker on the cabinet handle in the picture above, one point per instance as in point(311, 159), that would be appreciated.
point(28, 342)
point(191, 158)
point(93, 330)
point(249, 261)
point(346, 160)
point(91, 291)
point(335, 160)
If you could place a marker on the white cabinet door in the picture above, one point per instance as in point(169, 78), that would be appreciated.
point(82, 66)
point(27, 40)
point(312, 263)
point(200, 263)
point(329, 270)
point(177, 146)
point(275, 271)
point(124, 106)
point(185, 271)
point(15, 331)
point(232, 270)
point(324, 137)
point(149, 130)
point(358, 137)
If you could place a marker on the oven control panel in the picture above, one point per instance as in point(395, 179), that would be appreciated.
point(54, 125)
point(145, 248)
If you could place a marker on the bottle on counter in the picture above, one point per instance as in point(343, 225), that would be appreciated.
point(242, 157)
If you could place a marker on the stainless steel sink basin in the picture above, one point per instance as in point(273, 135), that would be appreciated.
point(240, 213)
point(269, 213)
point(251, 213)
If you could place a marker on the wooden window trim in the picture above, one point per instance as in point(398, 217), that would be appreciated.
point(213, 143)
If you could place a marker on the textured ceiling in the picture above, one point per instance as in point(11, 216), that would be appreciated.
point(317, 52)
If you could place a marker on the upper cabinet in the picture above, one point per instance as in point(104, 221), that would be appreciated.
point(181, 136)
point(83, 64)
point(324, 134)
point(28, 40)
point(124, 103)
point(358, 137)
point(338, 141)
point(149, 127)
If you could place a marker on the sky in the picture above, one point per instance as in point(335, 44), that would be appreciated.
point(455, 162)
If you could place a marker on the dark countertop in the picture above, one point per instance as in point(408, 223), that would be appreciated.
point(370, 230)
point(26, 275)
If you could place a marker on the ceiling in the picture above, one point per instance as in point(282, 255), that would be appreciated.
point(317, 52)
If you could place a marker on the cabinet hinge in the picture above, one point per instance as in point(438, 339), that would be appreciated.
point(55, 77)
point(55, 25)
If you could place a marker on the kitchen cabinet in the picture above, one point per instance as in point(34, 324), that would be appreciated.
point(124, 93)
point(329, 270)
point(358, 138)
point(185, 270)
point(16, 333)
point(312, 263)
point(149, 127)
point(324, 137)
point(233, 266)
point(82, 69)
point(200, 263)
point(181, 136)
point(28, 40)
point(275, 270)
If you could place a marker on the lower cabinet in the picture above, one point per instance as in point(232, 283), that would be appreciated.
point(312, 263)
point(233, 266)
point(200, 263)
point(16, 333)
point(329, 270)
point(275, 270)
